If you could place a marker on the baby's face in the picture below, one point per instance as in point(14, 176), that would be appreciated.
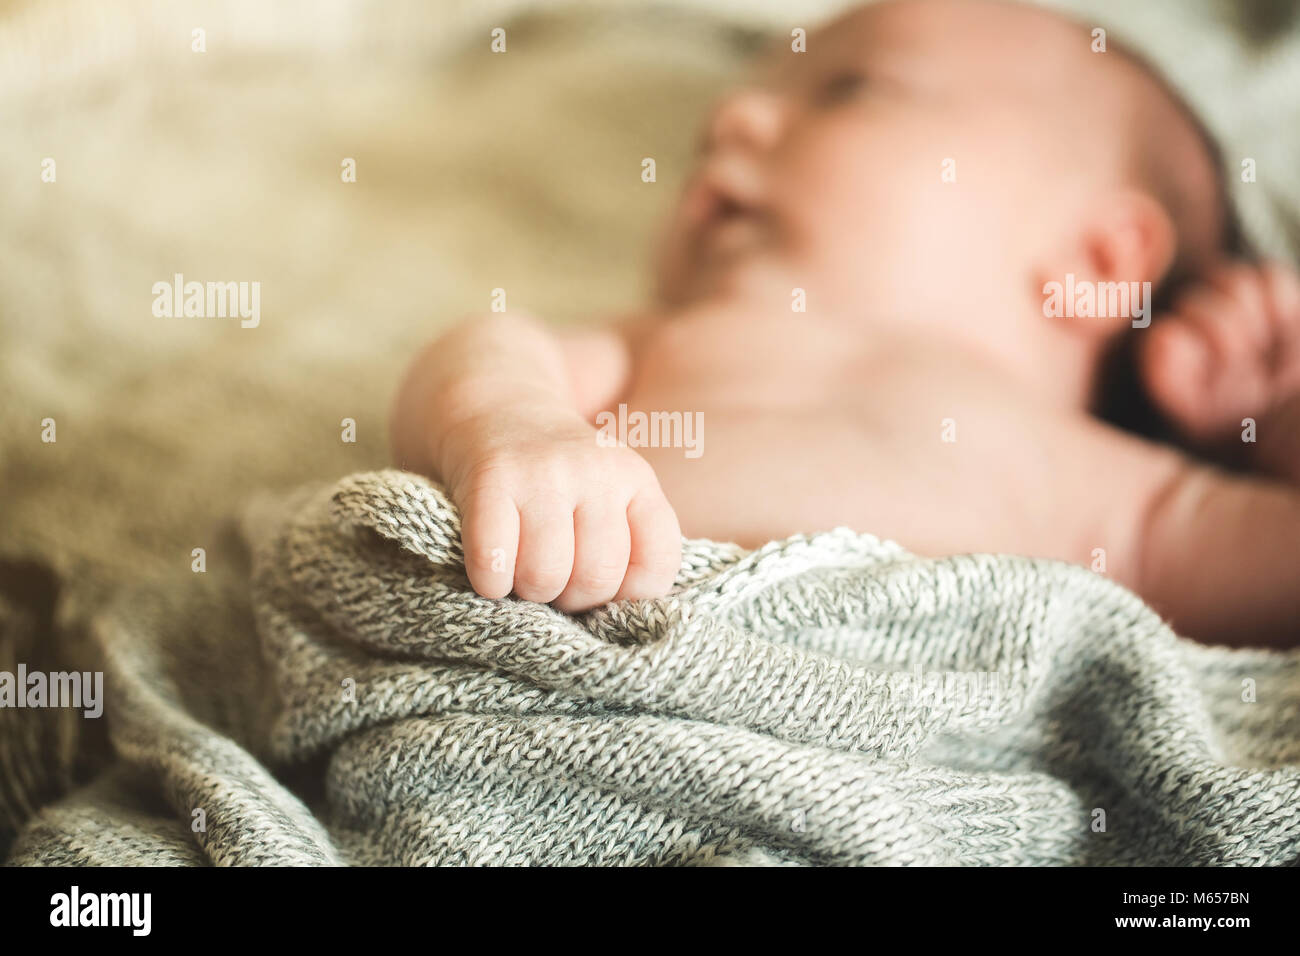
point(917, 156)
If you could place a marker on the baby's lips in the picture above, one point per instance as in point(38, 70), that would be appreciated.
point(726, 181)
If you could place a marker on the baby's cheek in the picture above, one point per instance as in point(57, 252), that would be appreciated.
point(866, 240)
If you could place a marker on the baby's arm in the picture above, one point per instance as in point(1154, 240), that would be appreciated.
point(1217, 554)
point(1221, 557)
point(498, 409)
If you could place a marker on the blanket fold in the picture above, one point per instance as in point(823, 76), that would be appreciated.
point(827, 699)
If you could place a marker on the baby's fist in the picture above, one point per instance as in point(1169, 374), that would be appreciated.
point(1229, 349)
point(548, 513)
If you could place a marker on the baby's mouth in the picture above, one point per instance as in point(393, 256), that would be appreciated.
point(732, 228)
point(732, 233)
point(724, 210)
point(722, 190)
point(723, 222)
point(729, 211)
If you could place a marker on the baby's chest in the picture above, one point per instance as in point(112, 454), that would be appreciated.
point(930, 460)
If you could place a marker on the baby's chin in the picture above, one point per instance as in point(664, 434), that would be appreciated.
point(756, 279)
point(729, 260)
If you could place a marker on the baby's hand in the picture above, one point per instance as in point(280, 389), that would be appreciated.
point(1230, 350)
point(555, 517)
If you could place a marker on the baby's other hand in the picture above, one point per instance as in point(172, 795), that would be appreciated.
point(1229, 350)
point(548, 513)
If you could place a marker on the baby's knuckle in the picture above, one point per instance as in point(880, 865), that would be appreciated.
point(606, 569)
point(480, 555)
point(542, 571)
point(555, 471)
point(494, 473)
point(598, 580)
point(545, 502)
point(639, 472)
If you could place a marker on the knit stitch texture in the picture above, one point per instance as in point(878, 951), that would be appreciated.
point(827, 699)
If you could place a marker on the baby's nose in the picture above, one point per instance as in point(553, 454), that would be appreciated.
point(747, 117)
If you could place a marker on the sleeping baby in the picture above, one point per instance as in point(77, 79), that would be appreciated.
point(858, 301)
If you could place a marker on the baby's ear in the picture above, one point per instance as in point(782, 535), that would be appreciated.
point(1125, 237)
point(1129, 237)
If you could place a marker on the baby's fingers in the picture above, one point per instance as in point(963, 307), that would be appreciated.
point(602, 545)
point(656, 555)
point(545, 548)
point(1246, 287)
point(1237, 334)
point(490, 537)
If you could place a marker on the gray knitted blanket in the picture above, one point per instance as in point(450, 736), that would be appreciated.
point(828, 699)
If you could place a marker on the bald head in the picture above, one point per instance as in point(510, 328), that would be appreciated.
point(1103, 109)
point(1175, 157)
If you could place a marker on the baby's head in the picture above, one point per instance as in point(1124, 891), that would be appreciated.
point(939, 161)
